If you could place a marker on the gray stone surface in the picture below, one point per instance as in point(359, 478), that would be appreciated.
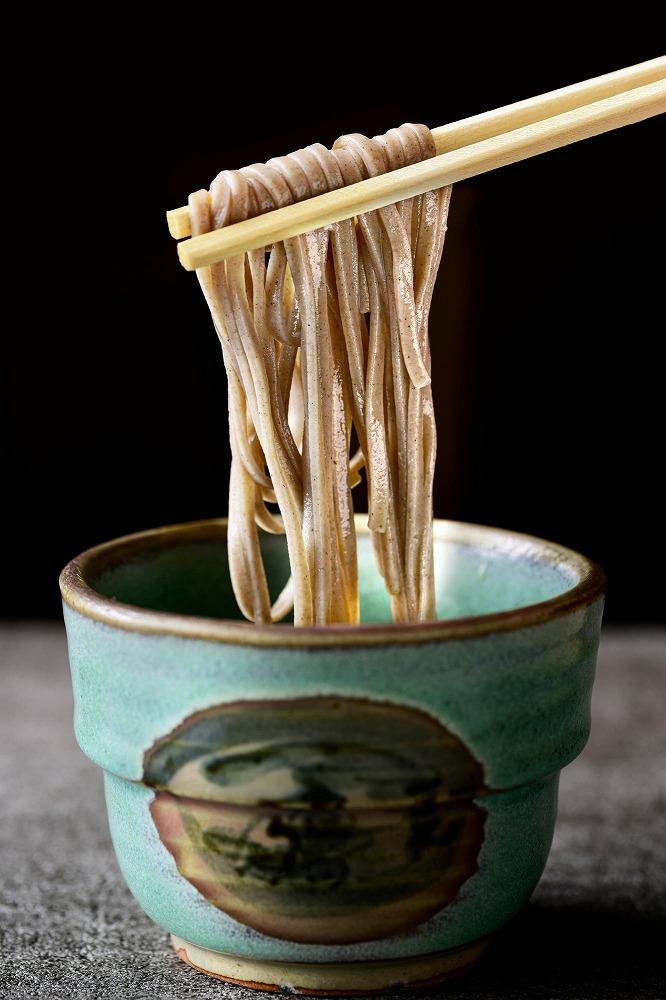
point(595, 927)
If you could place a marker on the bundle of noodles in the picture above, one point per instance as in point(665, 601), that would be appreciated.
point(325, 339)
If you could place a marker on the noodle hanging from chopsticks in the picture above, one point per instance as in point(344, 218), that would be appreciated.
point(323, 342)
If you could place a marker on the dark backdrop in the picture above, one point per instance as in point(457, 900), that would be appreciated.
point(546, 324)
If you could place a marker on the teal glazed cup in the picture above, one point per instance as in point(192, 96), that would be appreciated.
point(337, 808)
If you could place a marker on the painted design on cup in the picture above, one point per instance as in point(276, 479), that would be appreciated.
point(324, 820)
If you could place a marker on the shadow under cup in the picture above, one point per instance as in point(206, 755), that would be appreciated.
point(337, 808)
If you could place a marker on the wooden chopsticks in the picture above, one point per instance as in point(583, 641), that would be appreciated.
point(466, 148)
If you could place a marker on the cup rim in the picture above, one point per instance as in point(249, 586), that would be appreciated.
point(79, 595)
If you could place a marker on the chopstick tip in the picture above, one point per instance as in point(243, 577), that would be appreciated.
point(178, 221)
point(185, 256)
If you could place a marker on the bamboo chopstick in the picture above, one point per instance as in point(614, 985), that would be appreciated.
point(512, 116)
point(503, 144)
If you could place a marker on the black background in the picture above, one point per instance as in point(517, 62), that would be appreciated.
point(546, 326)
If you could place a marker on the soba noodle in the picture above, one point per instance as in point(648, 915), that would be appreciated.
point(325, 343)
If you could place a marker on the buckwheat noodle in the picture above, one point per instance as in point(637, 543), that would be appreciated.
point(325, 344)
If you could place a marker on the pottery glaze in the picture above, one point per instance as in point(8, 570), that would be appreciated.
point(333, 808)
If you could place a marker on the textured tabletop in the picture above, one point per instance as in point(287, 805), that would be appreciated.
point(596, 926)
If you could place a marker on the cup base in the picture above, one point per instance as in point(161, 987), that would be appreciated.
point(327, 979)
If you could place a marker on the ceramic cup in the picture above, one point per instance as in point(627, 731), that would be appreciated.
point(338, 808)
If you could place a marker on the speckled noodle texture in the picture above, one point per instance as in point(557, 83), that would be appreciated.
point(595, 928)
